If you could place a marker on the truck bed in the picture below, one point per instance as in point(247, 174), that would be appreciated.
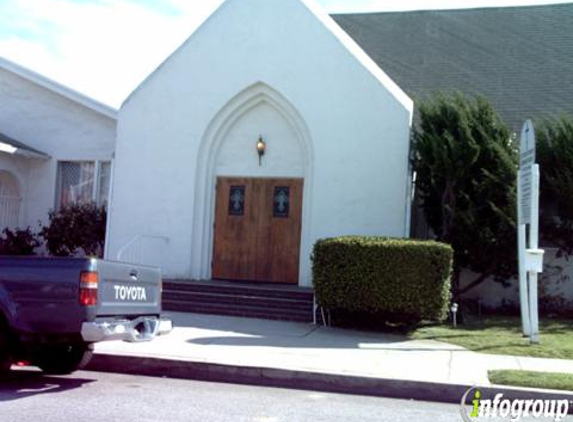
point(40, 295)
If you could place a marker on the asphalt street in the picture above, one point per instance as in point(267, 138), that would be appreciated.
point(27, 395)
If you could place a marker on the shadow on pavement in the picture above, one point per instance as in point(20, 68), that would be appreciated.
point(239, 324)
point(218, 330)
point(391, 344)
point(23, 383)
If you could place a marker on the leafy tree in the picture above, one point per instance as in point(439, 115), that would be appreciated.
point(466, 165)
point(76, 229)
point(555, 156)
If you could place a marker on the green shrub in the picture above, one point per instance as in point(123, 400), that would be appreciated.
point(555, 154)
point(466, 171)
point(18, 242)
point(76, 229)
point(405, 279)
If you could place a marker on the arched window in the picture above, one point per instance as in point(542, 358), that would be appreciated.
point(9, 200)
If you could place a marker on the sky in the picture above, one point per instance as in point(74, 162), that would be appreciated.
point(105, 48)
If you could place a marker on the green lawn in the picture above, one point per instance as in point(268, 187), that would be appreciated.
point(502, 335)
point(531, 379)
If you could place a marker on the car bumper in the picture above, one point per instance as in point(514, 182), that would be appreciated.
point(136, 330)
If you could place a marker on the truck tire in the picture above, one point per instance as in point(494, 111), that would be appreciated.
point(65, 359)
point(5, 362)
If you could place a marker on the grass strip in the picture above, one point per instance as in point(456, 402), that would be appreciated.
point(544, 380)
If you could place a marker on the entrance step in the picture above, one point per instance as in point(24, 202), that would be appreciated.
point(254, 300)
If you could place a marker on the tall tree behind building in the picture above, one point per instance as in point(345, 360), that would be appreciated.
point(466, 165)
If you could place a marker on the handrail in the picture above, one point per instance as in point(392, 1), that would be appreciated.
point(135, 247)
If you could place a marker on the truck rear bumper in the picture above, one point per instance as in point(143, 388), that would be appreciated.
point(136, 330)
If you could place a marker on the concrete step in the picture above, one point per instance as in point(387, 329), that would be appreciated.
point(229, 299)
point(242, 311)
point(243, 289)
point(259, 307)
point(267, 301)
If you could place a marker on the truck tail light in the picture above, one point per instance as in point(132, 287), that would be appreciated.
point(88, 288)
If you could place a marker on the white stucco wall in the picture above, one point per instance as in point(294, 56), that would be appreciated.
point(260, 68)
point(555, 285)
point(55, 125)
point(283, 155)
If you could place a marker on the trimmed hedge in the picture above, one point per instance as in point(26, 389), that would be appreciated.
point(405, 279)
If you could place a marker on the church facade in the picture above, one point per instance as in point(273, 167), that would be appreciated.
point(266, 130)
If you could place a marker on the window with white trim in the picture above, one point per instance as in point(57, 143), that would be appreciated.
point(83, 181)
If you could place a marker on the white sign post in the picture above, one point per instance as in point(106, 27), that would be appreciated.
point(530, 258)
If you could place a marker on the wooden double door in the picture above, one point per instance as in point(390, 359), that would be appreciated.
point(257, 229)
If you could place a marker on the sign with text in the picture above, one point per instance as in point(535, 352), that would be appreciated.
point(526, 162)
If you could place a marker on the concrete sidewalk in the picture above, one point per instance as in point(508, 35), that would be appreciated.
point(230, 342)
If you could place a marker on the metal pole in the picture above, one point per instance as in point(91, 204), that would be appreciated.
point(523, 294)
point(534, 315)
point(533, 244)
point(314, 309)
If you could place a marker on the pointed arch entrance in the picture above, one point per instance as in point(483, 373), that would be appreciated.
point(228, 150)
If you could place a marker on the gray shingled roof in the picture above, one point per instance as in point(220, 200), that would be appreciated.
point(17, 144)
point(520, 58)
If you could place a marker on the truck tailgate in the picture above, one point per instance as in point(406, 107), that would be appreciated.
point(128, 289)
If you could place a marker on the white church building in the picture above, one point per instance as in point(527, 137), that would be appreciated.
point(268, 129)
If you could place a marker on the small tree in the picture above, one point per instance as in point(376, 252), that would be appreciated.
point(76, 229)
point(466, 166)
point(555, 156)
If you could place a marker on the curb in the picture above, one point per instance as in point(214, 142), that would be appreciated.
point(303, 380)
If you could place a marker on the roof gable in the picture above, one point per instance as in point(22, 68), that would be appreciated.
point(322, 19)
point(359, 54)
point(59, 89)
